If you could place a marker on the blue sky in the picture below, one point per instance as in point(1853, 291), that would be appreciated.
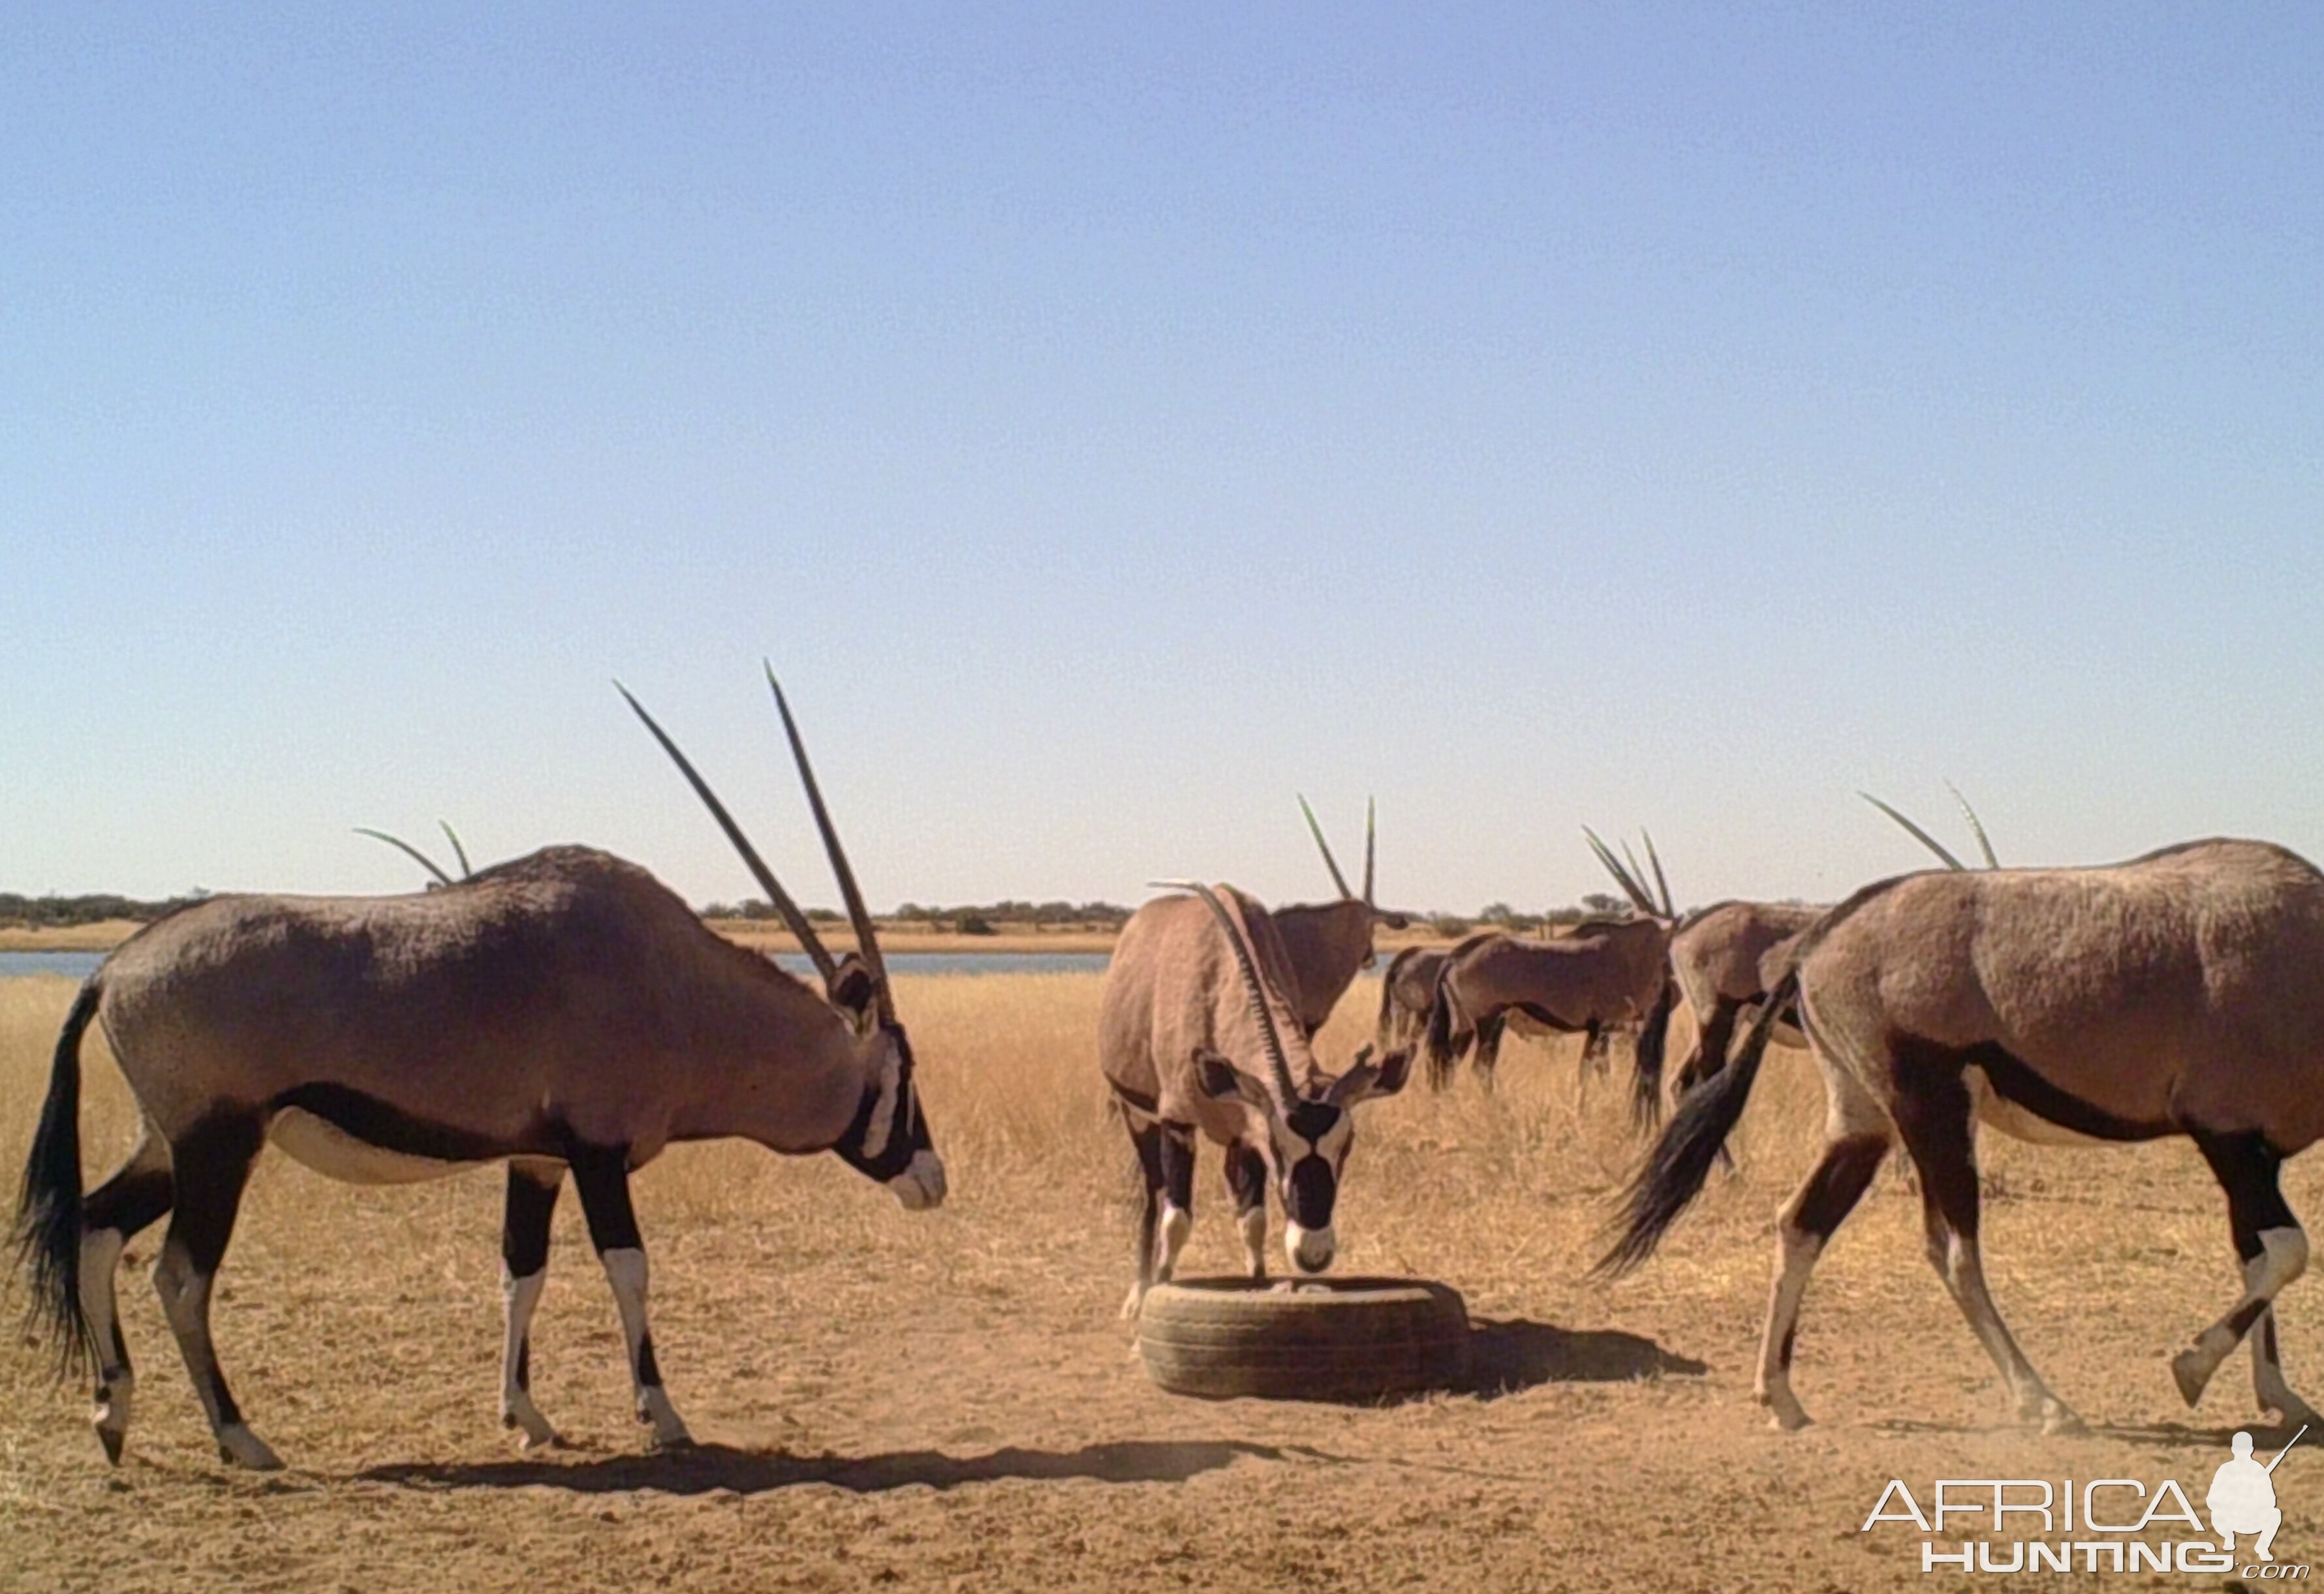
point(1664, 416)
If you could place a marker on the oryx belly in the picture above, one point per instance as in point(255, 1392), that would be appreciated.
point(1995, 1110)
point(329, 1149)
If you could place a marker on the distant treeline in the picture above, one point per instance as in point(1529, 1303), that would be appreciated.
point(43, 913)
point(969, 919)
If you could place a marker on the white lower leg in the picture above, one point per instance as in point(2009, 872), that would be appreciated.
point(186, 1303)
point(100, 1256)
point(1253, 1224)
point(625, 1270)
point(1170, 1239)
point(1795, 1257)
point(1965, 1272)
point(2283, 1258)
point(521, 1296)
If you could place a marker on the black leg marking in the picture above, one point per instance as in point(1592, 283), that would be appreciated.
point(1489, 1047)
point(1178, 1166)
point(2246, 1168)
point(525, 1221)
point(131, 1202)
point(1837, 1185)
point(601, 1175)
point(211, 1166)
point(648, 1370)
point(1709, 1055)
point(1246, 1172)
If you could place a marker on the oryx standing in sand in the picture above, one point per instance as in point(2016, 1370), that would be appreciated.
point(2176, 994)
point(1329, 943)
point(1602, 975)
point(1197, 1035)
point(563, 1010)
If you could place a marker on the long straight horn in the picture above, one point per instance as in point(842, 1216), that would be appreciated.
point(809, 941)
point(1976, 826)
point(1661, 881)
point(406, 848)
point(1623, 877)
point(1371, 835)
point(1330, 863)
point(1253, 986)
point(866, 942)
point(1915, 832)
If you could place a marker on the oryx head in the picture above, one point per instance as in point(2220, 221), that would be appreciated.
point(887, 1138)
point(1304, 1135)
point(1374, 913)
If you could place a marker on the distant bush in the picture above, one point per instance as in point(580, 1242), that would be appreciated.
point(55, 912)
point(1448, 925)
point(973, 924)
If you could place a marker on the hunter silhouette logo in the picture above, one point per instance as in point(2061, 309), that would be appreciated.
point(2243, 1497)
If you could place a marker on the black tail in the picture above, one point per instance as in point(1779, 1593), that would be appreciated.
point(49, 1204)
point(50, 1201)
point(1439, 1042)
point(1672, 1177)
point(1647, 1060)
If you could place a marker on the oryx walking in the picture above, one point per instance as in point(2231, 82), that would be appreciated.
point(1329, 943)
point(563, 1010)
point(1197, 1035)
point(2176, 994)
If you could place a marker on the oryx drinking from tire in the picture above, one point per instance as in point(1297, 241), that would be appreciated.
point(563, 1010)
point(1197, 1035)
point(2176, 994)
point(1330, 942)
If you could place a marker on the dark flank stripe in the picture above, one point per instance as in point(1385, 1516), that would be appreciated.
point(375, 1122)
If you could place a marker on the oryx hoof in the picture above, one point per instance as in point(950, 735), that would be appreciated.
point(2059, 1418)
point(112, 1439)
point(2192, 1370)
point(239, 1447)
point(1785, 1413)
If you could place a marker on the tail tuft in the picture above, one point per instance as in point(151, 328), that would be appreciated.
point(1674, 1169)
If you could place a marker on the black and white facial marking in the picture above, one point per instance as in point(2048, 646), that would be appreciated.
point(1307, 1142)
point(1308, 1148)
point(888, 1139)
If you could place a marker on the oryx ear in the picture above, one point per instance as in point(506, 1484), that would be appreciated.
point(853, 989)
point(1367, 1079)
point(1222, 1081)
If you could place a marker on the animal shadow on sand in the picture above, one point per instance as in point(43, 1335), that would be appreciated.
point(1508, 1356)
point(2165, 1436)
point(707, 1469)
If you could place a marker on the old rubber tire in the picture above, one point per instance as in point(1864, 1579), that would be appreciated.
point(1338, 1340)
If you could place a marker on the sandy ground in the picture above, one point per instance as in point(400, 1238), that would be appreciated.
point(948, 1400)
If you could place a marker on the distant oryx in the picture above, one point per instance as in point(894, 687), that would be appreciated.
point(1603, 974)
point(561, 1010)
point(2176, 994)
point(1197, 1033)
point(1329, 943)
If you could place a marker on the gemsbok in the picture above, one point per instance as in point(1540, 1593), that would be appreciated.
point(1603, 974)
point(2175, 994)
point(1330, 942)
point(1197, 1034)
point(562, 1010)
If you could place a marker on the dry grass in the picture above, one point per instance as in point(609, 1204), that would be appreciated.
point(943, 1400)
